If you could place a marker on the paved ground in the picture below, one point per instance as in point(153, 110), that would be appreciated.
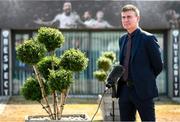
point(17, 108)
point(3, 102)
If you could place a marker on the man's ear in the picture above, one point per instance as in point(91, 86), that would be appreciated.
point(138, 18)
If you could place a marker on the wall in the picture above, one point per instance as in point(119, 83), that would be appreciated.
point(18, 14)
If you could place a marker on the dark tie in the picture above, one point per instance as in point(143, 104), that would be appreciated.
point(127, 57)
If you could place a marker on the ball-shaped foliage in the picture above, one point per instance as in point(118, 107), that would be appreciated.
point(46, 64)
point(109, 54)
point(100, 75)
point(104, 63)
point(59, 80)
point(52, 38)
point(31, 89)
point(30, 52)
point(74, 60)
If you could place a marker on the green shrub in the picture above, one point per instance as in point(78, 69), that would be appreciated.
point(31, 89)
point(57, 73)
point(59, 80)
point(100, 75)
point(50, 37)
point(109, 54)
point(30, 52)
point(104, 63)
point(74, 60)
point(46, 64)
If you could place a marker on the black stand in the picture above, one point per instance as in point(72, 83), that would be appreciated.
point(113, 97)
point(113, 115)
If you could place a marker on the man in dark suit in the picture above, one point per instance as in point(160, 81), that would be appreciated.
point(141, 58)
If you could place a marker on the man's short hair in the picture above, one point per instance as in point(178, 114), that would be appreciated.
point(130, 7)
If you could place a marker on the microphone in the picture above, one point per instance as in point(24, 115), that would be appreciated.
point(114, 75)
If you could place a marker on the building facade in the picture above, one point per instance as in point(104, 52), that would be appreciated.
point(20, 20)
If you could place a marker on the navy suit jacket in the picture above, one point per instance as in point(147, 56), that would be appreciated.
point(145, 63)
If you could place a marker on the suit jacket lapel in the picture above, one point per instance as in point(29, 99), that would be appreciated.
point(122, 49)
point(135, 44)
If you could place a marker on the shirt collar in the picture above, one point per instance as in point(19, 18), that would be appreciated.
point(134, 32)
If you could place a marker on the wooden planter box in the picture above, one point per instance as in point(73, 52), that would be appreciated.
point(107, 109)
point(65, 118)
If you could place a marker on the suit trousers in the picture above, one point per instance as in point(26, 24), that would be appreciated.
point(129, 103)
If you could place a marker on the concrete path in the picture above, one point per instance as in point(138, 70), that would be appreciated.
point(3, 102)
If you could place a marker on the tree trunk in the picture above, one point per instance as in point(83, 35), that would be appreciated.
point(43, 92)
point(55, 106)
point(54, 93)
point(64, 95)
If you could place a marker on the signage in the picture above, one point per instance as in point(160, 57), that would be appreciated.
point(5, 79)
point(175, 63)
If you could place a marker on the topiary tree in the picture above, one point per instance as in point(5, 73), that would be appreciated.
point(30, 52)
point(45, 65)
point(110, 55)
point(74, 60)
point(53, 74)
point(51, 38)
point(104, 64)
point(31, 89)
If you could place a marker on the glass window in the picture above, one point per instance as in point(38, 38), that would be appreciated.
point(161, 79)
point(93, 43)
point(20, 70)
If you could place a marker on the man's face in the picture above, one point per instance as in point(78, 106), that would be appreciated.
point(86, 15)
point(99, 15)
point(129, 20)
point(67, 8)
